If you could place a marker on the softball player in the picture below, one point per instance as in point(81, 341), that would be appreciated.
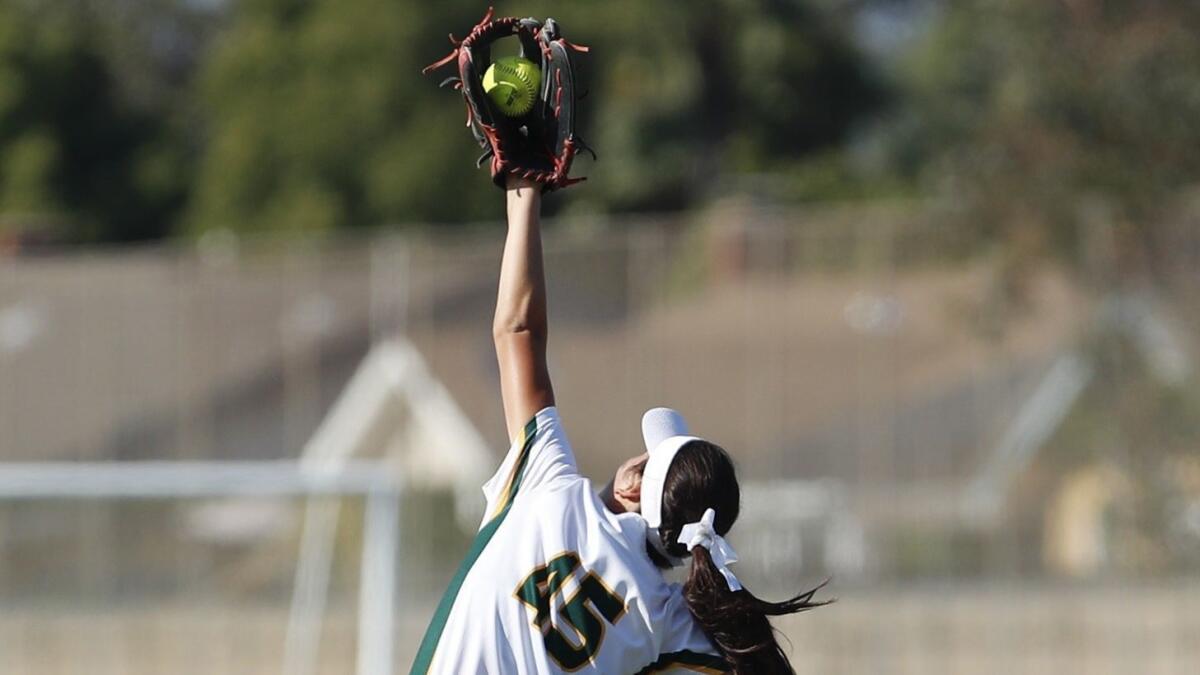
point(562, 578)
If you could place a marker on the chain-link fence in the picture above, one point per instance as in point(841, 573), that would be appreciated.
point(997, 460)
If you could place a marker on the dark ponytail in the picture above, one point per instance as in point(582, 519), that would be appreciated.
point(702, 477)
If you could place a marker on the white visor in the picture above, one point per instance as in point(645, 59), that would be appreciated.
point(664, 432)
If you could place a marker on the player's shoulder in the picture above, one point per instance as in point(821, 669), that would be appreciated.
point(540, 455)
point(544, 436)
point(545, 425)
point(547, 419)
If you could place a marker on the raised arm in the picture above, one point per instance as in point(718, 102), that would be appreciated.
point(519, 328)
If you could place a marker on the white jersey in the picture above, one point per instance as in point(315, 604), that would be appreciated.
point(556, 583)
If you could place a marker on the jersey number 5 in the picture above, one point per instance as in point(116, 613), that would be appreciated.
point(582, 612)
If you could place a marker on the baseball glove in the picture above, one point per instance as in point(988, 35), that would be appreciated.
point(541, 144)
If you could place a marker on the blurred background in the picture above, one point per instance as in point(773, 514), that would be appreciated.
point(929, 269)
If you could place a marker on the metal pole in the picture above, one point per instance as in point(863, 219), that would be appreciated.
point(302, 641)
point(377, 587)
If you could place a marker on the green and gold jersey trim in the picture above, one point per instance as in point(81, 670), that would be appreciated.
point(433, 635)
point(687, 660)
point(528, 433)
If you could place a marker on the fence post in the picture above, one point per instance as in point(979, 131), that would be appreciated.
point(377, 587)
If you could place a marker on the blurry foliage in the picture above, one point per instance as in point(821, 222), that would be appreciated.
point(79, 154)
point(131, 119)
point(1127, 412)
point(1131, 419)
point(1021, 112)
point(915, 553)
point(685, 95)
point(319, 117)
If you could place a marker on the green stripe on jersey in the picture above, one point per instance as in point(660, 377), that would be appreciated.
point(433, 634)
point(689, 660)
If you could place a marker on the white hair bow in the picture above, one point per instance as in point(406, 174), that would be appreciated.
point(704, 534)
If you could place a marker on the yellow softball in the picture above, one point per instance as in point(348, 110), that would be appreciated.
point(512, 83)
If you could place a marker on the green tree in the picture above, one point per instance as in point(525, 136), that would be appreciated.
point(685, 94)
point(318, 117)
point(76, 155)
point(1033, 116)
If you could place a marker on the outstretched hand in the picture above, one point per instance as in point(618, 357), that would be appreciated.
point(540, 144)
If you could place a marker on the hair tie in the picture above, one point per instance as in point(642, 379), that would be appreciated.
point(704, 534)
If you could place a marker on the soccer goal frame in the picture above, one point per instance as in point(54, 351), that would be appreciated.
point(374, 481)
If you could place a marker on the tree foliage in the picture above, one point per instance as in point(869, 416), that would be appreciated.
point(78, 155)
point(685, 94)
point(1035, 116)
point(134, 119)
point(129, 119)
point(318, 117)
